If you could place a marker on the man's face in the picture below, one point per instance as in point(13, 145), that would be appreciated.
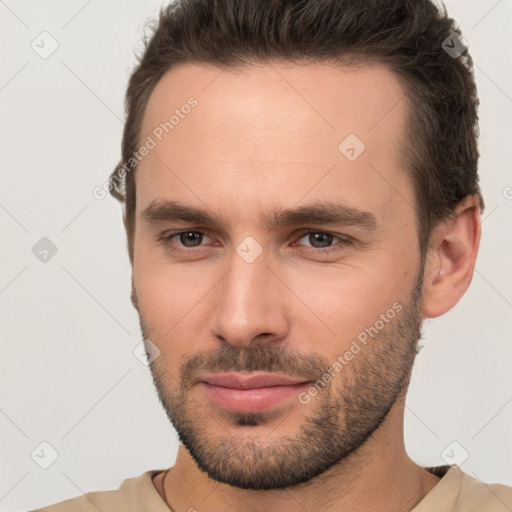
point(309, 297)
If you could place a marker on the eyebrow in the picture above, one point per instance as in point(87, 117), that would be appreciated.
point(321, 212)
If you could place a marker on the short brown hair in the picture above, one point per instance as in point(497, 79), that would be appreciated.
point(407, 35)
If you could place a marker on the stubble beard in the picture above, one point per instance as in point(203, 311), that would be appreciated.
point(340, 419)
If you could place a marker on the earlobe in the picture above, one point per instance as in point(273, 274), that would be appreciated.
point(451, 259)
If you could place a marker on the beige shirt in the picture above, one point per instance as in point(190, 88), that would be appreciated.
point(455, 492)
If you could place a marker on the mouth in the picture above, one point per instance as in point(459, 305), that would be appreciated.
point(250, 392)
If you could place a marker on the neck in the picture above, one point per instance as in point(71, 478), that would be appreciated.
point(377, 475)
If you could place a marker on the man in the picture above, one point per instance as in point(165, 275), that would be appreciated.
point(300, 190)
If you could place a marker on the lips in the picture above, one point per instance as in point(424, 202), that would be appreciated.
point(250, 393)
point(240, 381)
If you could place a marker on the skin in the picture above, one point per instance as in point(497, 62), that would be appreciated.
point(263, 137)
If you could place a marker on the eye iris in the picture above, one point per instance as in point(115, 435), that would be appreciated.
point(324, 239)
point(190, 236)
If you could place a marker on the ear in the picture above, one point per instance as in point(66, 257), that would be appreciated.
point(451, 258)
point(134, 298)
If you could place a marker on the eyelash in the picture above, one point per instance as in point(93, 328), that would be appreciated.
point(346, 241)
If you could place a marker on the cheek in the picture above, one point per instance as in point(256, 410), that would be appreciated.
point(348, 300)
point(163, 310)
point(173, 298)
point(161, 296)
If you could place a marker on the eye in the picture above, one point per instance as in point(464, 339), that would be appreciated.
point(323, 242)
point(187, 239)
point(320, 242)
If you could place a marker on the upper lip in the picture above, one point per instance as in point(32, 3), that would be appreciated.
point(241, 381)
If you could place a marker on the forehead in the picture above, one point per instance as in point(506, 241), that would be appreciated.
point(327, 97)
point(271, 132)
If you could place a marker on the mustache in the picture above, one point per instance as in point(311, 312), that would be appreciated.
point(269, 358)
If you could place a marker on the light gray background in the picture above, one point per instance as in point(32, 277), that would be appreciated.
point(68, 329)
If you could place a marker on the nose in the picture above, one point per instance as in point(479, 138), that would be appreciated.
point(250, 304)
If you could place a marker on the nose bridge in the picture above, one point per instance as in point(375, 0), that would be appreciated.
point(247, 302)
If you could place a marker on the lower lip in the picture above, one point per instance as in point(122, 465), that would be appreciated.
point(251, 400)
